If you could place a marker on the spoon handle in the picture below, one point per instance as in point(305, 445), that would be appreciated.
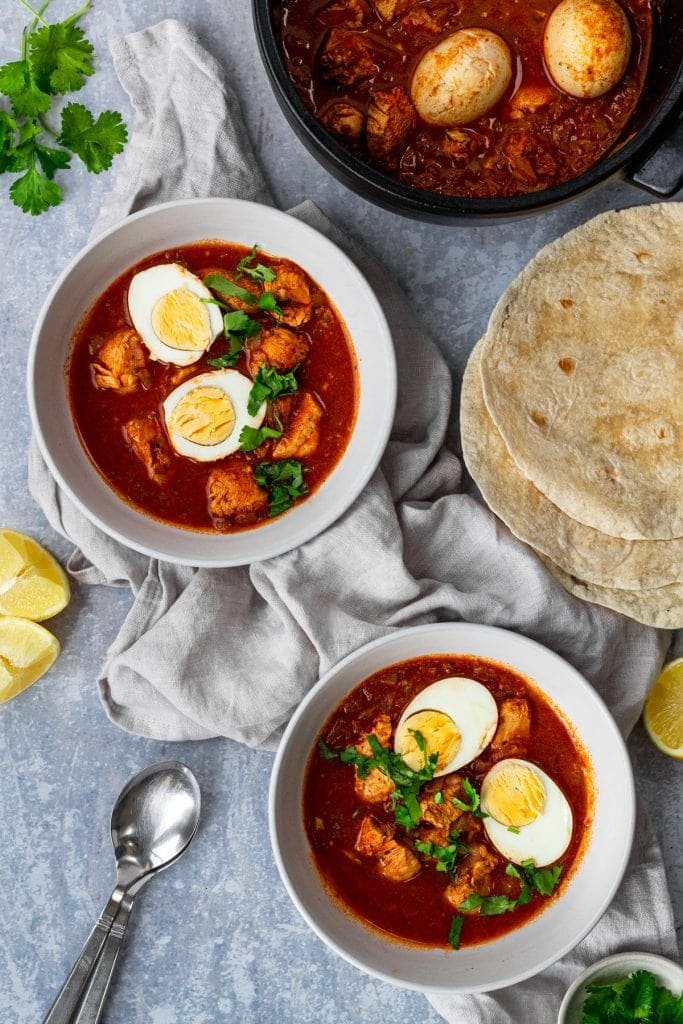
point(90, 1009)
point(61, 1011)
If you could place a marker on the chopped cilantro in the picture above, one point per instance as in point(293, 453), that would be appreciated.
point(445, 856)
point(237, 326)
point(473, 797)
point(257, 272)
point(224, 286)
point(252, 437)
point(269, 384)
point(284, 482)
point(636, 998)
point(489, 906)
point(513, 828)
point(55, 59)
point(268, 302)
point(438, 796)
point(543, 880)
point(455, 930)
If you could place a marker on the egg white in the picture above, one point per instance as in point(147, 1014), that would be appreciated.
point(471, 707)
point(237, 387)
point(145, 290)
point(544, 839)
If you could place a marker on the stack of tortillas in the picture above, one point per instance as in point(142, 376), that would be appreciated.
point(572, 411)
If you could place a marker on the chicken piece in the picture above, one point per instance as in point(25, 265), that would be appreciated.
point(514, 728)
point(234, 493)
point(473, 875)
point(457, 144)
point(291, 290)
point(121, 364)
point(391, 119)
point(420, 19)
point(390, 9)
point(352, 12)
point(528, 99)
point(344, 120)
point(395, 861)
point(278, 347)
point(147, 439)
point(528, 159)
point(347, 58)
point(375, 788)
point(243, 281)
point(302, 435)
point(445, 814)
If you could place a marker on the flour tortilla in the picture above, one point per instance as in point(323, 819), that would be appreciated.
point(661, 607)
point(577, 549)
point(582, 371)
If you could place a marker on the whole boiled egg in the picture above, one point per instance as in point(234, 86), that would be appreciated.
point(457, 718)
point(166, 307)
point(587, 45)
point(462, 77)
point(205, 415)
point(529, 817)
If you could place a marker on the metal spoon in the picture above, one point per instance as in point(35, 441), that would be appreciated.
point(154, 820)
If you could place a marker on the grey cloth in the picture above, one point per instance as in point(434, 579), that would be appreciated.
point(413, 548)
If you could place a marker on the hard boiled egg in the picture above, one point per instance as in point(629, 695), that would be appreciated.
point(529, 817)
point(165, 305)
point(205, 415)
point(462, 77)
point(457, 718)
point(587, 45)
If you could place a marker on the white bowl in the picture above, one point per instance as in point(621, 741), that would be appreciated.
point(162, 227)
point(611, 969)
point(525, 951)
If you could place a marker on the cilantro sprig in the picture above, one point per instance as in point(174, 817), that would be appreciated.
point(252, 437)
point(407, 783)
point(284, 481)
point(269, 384)
point(473, 797)
point(636, 998)
point(55, 59)
point(256, 271)
point(445, 856)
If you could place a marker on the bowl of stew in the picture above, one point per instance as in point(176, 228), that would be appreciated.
point(212, 382)
point(452, 808)
point(387, 94)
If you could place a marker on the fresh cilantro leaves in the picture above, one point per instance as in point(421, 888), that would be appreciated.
point(256, 271)
point(473, 797)
point(445, 856)
point(269, 384)
point(455, 931)
point(252, 437)
point(636, 998)
point(284, 482)
point(489, 906)
point(224, 286)
point(237, 327)
point(55, 60)
point(407, 783)
point(543, 880)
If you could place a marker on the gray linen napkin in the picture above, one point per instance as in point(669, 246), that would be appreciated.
point(411, 549)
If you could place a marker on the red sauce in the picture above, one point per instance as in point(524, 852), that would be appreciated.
point(328, 371)
point(416, 911)
point(506, 152)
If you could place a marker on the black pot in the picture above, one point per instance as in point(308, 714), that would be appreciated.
point(650, 154)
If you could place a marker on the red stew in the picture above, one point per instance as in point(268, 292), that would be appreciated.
point(535, 137)
point(417, 910)
point(141, 465)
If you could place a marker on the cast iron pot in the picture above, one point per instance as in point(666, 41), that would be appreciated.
point(650, 154)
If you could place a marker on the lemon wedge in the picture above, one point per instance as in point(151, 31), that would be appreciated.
point(33, 584)
point(27, 651)
point(663, 715)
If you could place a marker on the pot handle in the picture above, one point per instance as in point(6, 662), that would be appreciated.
point(661, 172)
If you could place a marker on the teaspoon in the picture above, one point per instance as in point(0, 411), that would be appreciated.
point(153, 822)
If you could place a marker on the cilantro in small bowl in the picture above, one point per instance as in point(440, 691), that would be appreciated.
point(627, 988)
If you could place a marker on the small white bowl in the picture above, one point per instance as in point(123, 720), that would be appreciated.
point(611, 969)
point(545, 939)
point(163, 227)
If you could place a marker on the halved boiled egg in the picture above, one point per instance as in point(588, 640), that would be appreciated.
point(166, 307)
point(587, 46)
point(457, 718)
point(462, 77)
point(529, 817)
point(205, 415)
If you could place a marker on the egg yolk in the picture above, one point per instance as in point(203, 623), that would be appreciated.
point(181, 320)
point(205, 416)
point(515, 796)
point(440, 733)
